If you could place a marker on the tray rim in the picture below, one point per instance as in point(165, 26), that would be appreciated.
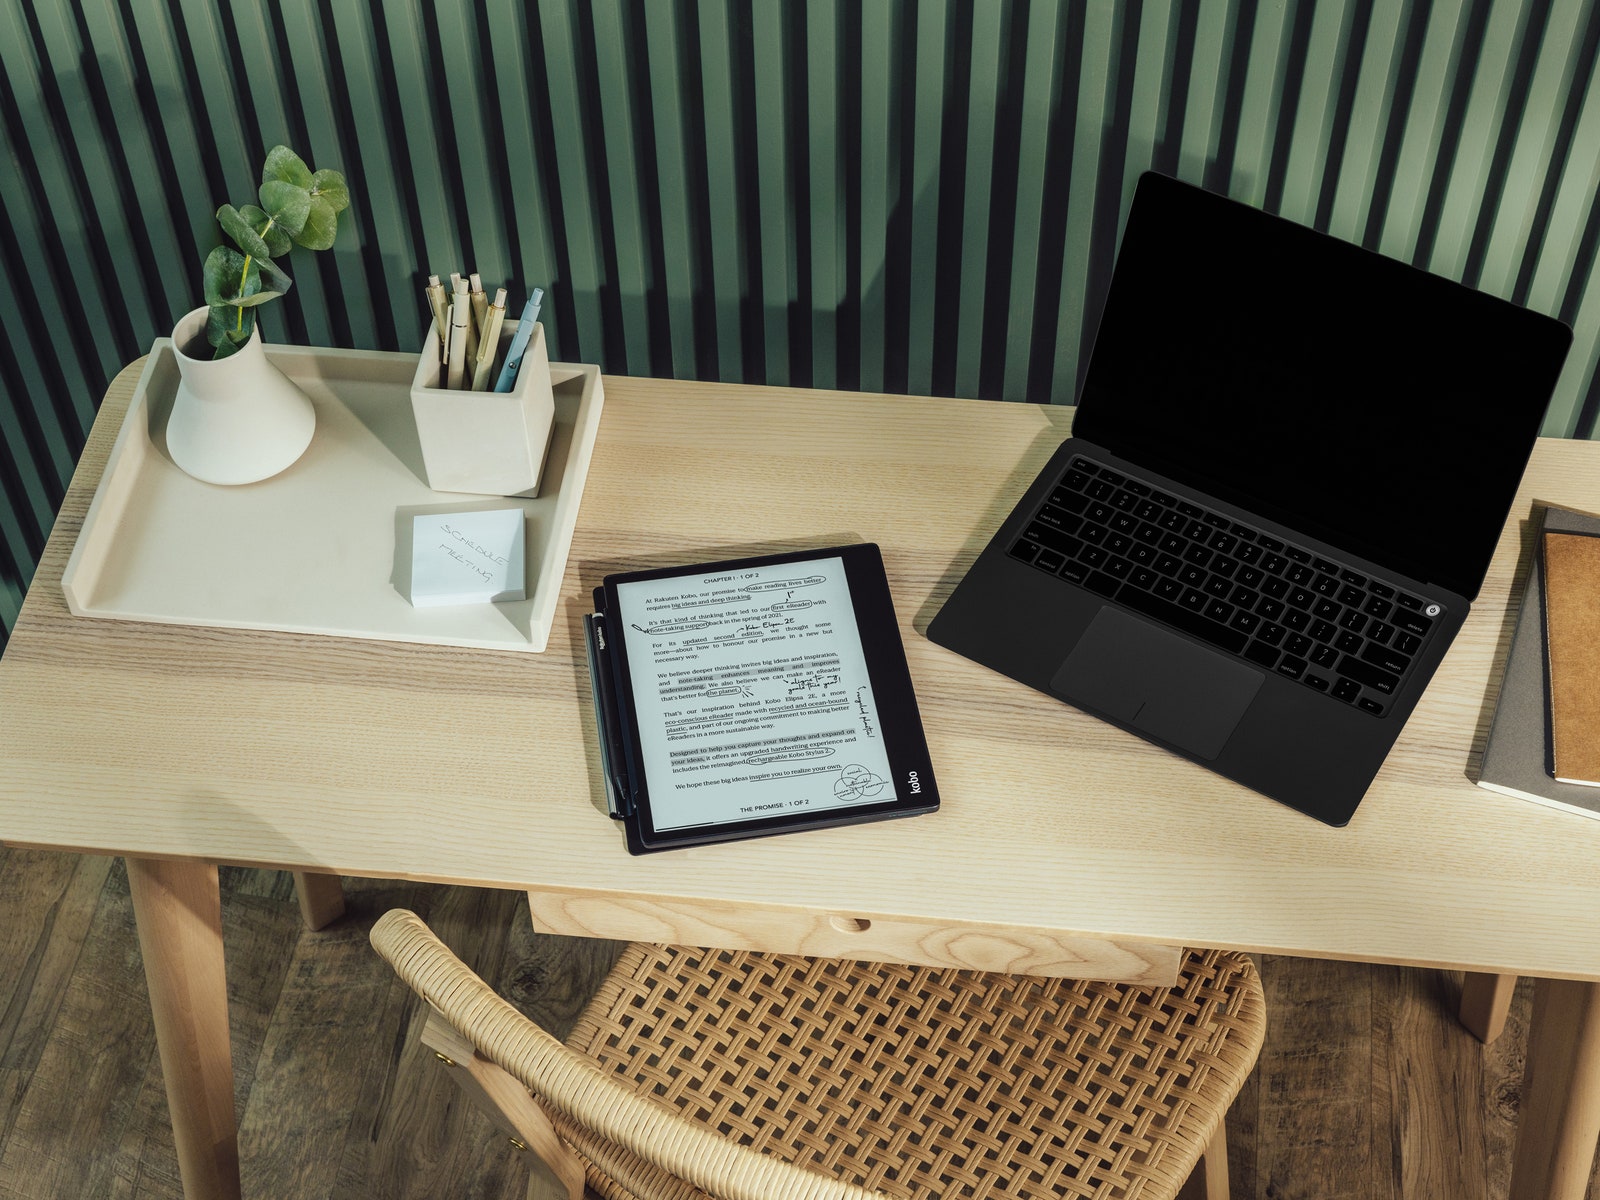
point(116, 486)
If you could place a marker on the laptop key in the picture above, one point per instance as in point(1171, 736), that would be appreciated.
point(1260, 652)
point(1173, 519)
point(1100, 490)
point(1350, 643)
point(1084, 465)
point(1405, 601)
point(1192, 599)
point(1273, 564)
point(1217, 586)
point(1094, 555)
point(1193, 576)
point(1144, 577)
point(1250, 576)
point(1323, 564)
point(1352, 620)
point(1249, 554)
point(1118, 543)
point(1169, 589)
point(1025, 550)
point(1148, 510)
point(1297, 620)
point(1050, 560)
point(1351, 595)
point(1198, 555)
point(1365, 673)
point(1099, 513)
point(1098, 581)
point(1137, 488)
point(1322, 631)
point(1300, 573)
point(1143, 555)
point(1111, 476)
point(1316, 681)
point(1071, 501)
point(1182, 618)
point(1408, 643)
point(1325, 585)
point(1292, 667)
point(1168, 564)
point(1059, 518)
point(1172, 544)
point(1299, 555)
point(1377, 606)
point(1297, 643)
point(1350, 576)
point(1124, 500)
point(1219, 610)
point(1271, 543)
point(1077, 572)
point(1118, 568)
point(1412, 622)
point(1326, 609)
point(1385, 658)
point(1076, 480)
point(1148, 534)
point(1301, 598)
point(1379, 632)
point(1271, 609)
point(1271, 634)
point(1245, 622)
point(1346, 690)
point(1381, 589)
point(1325, 656)
point(1275, 587)
point(1366, 704)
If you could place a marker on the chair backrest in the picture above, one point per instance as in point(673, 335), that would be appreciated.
point(575, 1090)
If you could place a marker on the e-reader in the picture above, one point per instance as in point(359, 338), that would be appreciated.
point(755, 696)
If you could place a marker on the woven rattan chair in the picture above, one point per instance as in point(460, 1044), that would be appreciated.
point(747, 1076)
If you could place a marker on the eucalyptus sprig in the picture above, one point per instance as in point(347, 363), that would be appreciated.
point(299, 207)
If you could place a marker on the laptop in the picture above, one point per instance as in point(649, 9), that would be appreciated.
point(1291, 460)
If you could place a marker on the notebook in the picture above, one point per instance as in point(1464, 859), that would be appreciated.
point(1291, 461)
point(1516, 756)
point(1572, 639)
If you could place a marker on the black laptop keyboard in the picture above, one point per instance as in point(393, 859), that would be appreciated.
point(1274, 604)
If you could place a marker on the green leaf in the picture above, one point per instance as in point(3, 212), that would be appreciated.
point(237, 226)
point(285, 166)
point(228, 328)
point(287, 204)
point(322, 224)
point(330, 186)
point(278, 242)
point(227, 278)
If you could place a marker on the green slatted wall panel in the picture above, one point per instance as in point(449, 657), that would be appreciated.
point(907, 196)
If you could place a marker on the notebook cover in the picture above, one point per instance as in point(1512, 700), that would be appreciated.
point(1514, 758)
point(1572, 636)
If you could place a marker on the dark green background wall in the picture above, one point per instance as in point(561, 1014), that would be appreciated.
point(902, 196)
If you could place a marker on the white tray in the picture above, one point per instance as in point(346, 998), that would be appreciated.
point(314, 550)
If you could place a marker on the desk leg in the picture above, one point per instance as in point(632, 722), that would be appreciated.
point(1560, 1119)
point(178, 907)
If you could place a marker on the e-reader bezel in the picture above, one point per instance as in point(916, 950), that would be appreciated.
point(900, 722)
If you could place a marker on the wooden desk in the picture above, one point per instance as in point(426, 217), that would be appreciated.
point(1063, 845)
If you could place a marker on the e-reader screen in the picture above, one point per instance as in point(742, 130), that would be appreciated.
point(756, 697)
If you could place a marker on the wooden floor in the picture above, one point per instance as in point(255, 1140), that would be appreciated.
point(1367, 1088)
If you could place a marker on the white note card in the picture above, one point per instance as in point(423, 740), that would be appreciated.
point(467, 557)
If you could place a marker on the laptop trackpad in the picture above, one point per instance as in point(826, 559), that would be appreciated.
point(1172, 689)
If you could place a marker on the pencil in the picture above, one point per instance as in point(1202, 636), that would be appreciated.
point(441, 321)
point(490, 342)
point(475, 328)
point(460, 320)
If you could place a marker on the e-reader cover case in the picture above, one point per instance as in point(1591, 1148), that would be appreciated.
point(755, 696)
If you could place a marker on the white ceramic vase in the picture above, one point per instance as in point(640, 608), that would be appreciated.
point(237, 419)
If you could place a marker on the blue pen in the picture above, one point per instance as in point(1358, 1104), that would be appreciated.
point(519, 341)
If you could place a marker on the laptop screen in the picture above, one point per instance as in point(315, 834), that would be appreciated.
point(1359, 400)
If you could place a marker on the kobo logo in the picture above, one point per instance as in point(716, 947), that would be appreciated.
point(916, 787)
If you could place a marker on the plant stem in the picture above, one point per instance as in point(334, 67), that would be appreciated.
point(238, 324)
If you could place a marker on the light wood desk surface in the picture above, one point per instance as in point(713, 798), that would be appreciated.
point(478, 767)
point(425, 762)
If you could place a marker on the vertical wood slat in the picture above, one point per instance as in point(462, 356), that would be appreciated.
point(895, 194)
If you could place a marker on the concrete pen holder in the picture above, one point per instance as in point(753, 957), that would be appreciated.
point(490, 443)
